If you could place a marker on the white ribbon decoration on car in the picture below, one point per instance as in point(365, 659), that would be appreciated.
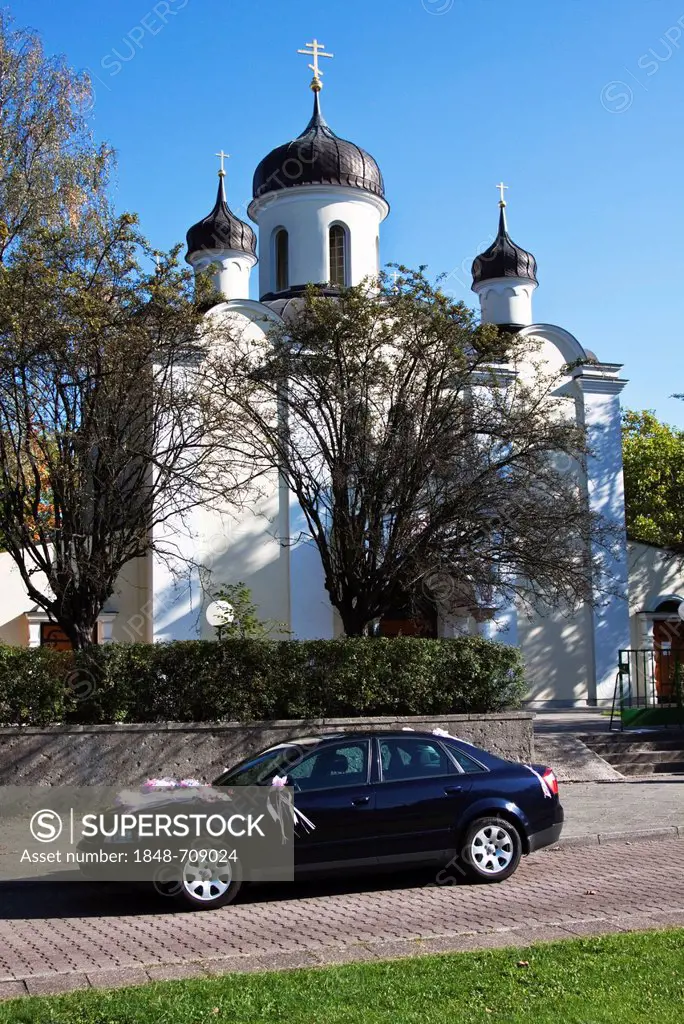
point(443, 732)
point(542, 781)
point(278, 784)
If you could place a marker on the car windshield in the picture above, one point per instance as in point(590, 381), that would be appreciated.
point(261, 768)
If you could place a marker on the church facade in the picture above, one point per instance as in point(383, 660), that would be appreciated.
point(319, 203)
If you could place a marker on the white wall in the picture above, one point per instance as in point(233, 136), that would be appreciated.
point(307, 214)
point(506, 300)
point(14, 602)
point(230, 270)
point(129, 601)
point(654, 576)
point(312, 615)
point(557, 650)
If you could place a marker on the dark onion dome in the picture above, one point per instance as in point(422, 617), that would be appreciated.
point(318, 157)
point(221, 229)
point(504, 258)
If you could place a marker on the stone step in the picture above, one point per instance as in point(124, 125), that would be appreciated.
point(652, 768)
point(632, 741)
point(639, 748)
point(636, 756)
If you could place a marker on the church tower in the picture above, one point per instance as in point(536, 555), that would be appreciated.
point(319, 201)
point(504, 277)
point(224, 243)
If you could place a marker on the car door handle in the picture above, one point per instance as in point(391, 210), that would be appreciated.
point(453, 790)
point(360, 801)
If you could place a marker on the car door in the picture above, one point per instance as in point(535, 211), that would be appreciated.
point(332, 788)
point(419, 797)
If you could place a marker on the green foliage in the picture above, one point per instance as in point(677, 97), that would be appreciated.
point(246, 623)
point(653, 457)
point(35, 685)
point(51, 169)
point(246, 680)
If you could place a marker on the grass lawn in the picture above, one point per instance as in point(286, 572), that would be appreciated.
point(617, 978)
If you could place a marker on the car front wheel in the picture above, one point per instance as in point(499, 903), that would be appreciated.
point(204, 883)
point(491, 850)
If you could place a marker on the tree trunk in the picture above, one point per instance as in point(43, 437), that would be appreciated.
point(80, 633)
point(356, 622)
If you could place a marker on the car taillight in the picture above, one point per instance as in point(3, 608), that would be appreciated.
point(551, 781)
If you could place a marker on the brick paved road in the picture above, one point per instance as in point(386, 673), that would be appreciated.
point(76, 935)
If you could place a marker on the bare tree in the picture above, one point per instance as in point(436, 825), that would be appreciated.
point(107, 425)
point(422, 460)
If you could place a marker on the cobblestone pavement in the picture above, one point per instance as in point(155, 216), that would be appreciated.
point(58, 938)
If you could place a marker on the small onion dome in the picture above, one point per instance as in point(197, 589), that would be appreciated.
point(504, 258)
point(318, 157)
point(221, 229)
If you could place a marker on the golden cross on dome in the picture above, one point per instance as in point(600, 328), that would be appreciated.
point(501, 187)
point(222, 156)
point(317, 50)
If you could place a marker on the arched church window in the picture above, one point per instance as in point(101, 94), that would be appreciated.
point(282, 259)
point(338, 256)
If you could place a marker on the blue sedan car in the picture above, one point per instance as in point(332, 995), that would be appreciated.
point(399, 798)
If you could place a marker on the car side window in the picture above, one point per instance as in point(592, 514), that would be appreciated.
point(345, 764)
point(413, 758)
point(467, 763)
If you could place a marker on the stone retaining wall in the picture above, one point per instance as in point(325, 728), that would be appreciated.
point(126, 754)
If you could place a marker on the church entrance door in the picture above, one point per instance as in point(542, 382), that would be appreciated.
point(668, 642)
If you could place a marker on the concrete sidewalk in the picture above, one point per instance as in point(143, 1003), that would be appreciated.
point(565, 720)
point(628, 809)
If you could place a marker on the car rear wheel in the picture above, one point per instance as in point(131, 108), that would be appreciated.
point(491, 850)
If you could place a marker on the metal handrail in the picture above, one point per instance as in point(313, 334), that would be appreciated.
point(618, 680)
point(654, 695)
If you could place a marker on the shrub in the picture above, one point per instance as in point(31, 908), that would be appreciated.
point(247, 680)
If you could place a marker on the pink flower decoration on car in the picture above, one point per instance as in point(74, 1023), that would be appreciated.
point(153, 784)
point(279, 781)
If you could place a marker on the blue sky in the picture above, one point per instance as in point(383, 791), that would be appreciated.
point(575, 104)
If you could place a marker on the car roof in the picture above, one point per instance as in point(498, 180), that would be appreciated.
point(485, 756)
point(364, 734)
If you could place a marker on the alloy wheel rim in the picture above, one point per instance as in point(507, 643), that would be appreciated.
point(492, 849)
point(206, 881)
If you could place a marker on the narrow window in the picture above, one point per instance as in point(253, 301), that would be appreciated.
point(282, 270)
point(338, 256)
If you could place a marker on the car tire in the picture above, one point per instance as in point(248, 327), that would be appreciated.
point(491, 850)
point(204, 885)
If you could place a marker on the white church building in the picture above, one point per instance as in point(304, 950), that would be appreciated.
point(319, 203)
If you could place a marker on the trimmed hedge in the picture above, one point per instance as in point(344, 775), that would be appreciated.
point(250, 680)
